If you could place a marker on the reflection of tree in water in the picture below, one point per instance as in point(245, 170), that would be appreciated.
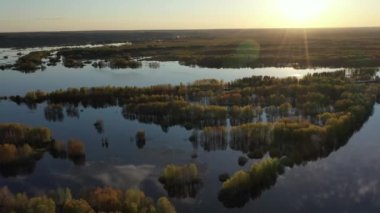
point(72, 111)
point(58, 150)
point(243, 185)
point(214, 138)
point(76, 152)
point(20, 167)
point(99, 126)
point(78, 160)
point(166, 121)
point(292, 149)
point(54, 112)
point(181, 181)
point(195, 143)
point(140, 139)
point(183, 190)
point(73, 150)
point(105, 142)
point(154, 65)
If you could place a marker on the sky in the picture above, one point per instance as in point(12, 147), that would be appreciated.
point(71, 15)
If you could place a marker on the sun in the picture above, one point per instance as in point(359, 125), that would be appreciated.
point(302, 11)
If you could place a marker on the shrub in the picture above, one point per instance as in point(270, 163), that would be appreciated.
point(77, 206)
point(165, 206)
point(75, 148)
point(181, 181)
point(106, 199)
point(58, 149)
point(8, 153)
point(41, 204)
point(174, 174)
point(136, 201)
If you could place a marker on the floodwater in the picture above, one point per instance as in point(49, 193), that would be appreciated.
point(345, 181)
point(59, 77)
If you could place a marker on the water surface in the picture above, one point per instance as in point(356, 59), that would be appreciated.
point(345, 181)
point(59, 77)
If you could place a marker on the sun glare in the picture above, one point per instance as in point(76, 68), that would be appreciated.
point(302, 11)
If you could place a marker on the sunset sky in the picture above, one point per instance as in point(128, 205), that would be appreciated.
point(63, 15)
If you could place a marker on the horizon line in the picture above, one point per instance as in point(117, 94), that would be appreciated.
point(187, 29)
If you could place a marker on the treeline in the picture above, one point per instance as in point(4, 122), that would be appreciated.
point(177, 112)
point(101, 199)
point(18, 134)
point(263, 48)
point(21, 147)
point(210, 102)
point(111, 96)
point(259, 49)
point(297, 139)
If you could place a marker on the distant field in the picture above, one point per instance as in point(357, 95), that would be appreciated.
point(356, 47)
point(38, 39)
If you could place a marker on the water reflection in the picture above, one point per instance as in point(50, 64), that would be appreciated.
point(116, 175)
point(183, 190)
point(20, 167)
point(105, 142)
point(54, 113)
point(99, 126)
point(336, 181)
point(72, 111)
point(59, 77)
point(140, 139)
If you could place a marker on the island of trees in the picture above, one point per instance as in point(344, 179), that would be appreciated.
point(291, 120)
point(22, 146)
point(181, 181)
point(100, 199)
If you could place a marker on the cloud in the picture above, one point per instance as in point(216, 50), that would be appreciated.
point(102, 174)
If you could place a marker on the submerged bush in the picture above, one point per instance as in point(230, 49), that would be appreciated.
point(54, 112)
point(18, 134)
point(237, 190)
point(76, 151)
point(181, 181)
point(75, 148)
point(31, 62)
point(99, 126)
point(140, 139)
point(180, 174)
point(10, 153)
point(58, 149)
point(117, 63)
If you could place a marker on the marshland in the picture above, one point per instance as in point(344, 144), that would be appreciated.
point(208, 120)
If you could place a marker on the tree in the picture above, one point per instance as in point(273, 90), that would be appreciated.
point(77, 206)
point(41, 204)
point(165, 206)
